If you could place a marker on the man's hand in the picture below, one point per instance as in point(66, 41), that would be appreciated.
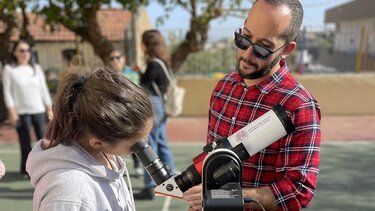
point(263, 195)
point(193, 196)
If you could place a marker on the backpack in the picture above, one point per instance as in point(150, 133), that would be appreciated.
point(174, 96)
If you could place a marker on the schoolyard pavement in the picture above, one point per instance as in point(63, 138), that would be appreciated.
point(346, 178)
point(194, 129)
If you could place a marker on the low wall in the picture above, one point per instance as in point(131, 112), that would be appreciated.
point(345, 94)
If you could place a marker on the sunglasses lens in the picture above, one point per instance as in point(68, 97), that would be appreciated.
point(261, 52)
point(24, 50)
point(115, 58)
point(241, 42)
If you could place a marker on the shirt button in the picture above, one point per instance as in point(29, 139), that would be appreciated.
point(245, 89)
point(233, 119)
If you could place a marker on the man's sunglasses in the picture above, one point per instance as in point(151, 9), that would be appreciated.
point(242, 42)
point(115, 58)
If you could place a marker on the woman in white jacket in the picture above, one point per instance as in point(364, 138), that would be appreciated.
point(26, 97)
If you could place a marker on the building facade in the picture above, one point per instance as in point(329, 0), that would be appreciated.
point(354, 41)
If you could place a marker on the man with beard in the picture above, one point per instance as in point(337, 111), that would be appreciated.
point(284, 175)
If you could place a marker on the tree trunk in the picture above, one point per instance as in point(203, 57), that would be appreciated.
point(90, 32)
point(10, 24)
point(5, 54)
point(196, 37)
point(93, 35)
point(194, 42)
point(25, 34)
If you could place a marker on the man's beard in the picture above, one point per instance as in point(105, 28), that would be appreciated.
point(258, 73)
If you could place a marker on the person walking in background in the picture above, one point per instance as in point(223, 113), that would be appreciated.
point(26, 97)
point(78, 166)
point(155, 83)
point(118, 62)
point(284, 175)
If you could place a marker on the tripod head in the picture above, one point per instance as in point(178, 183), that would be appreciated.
point(222, 181)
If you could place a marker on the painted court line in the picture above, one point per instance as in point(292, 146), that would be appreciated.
point(167, 203)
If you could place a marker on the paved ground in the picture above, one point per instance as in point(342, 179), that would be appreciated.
point(346, 179)
point(193, 129)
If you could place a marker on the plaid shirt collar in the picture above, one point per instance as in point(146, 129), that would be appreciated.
point(267, 84)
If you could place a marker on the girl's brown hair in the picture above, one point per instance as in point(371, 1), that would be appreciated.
point(155, 46)
point(103, 103)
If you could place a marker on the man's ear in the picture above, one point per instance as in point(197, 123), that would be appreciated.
point(96, 143)
point(288, 49)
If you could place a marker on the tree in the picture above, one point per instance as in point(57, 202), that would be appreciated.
point(80, 17)
point(9, 21)
point(210, 61)
point(201, 12)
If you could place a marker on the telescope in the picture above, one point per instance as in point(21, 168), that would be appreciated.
point(246, 142)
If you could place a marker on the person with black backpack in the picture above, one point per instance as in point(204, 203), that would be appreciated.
point(155, 82)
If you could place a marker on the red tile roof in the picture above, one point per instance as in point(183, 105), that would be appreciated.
point(113, 23)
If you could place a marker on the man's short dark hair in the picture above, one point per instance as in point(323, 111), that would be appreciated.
point(296, 10)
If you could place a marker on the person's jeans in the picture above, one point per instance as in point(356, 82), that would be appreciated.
point(38, 121)
point(158, 138)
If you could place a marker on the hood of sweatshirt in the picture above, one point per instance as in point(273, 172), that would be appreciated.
point(67, 157)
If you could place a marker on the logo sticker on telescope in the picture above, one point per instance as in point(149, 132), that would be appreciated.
point(242, 136)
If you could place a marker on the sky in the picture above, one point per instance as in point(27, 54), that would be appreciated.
point(179, 18)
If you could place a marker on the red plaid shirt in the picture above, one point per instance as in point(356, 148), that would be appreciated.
point(290, 165)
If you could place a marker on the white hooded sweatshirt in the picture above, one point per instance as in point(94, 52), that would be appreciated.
point(67, 177)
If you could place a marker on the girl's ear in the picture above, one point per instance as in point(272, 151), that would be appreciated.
point(288, 49)
point(96, 143)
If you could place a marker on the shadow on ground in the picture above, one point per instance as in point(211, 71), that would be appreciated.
point(12, 176)
point(16, 191)
point(346, 178)
point(19, 194)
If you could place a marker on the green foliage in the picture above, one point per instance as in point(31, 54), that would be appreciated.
point(9, 7)
point(80, 17)
point(210, 61)
point(74, 14)
point(77, 15)
point(201, 14)
point(8, 19)
point(325, 43)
